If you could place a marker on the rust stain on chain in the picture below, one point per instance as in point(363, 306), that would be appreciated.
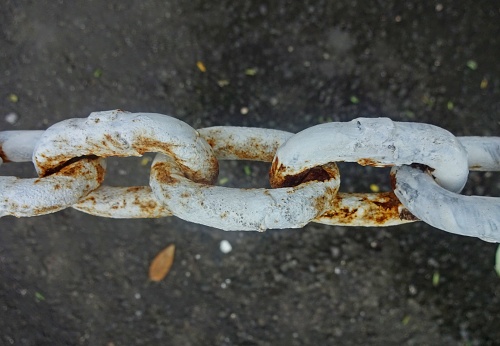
point(163, 173)
point(374, 209)
point(252, 150)
point(54, 165)
point(144, 144)
point(318, 173)
point(45, 210)
point(371, 162)
point(148, 208)
point(2, 155)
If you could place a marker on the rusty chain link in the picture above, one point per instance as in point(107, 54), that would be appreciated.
point(430, 168)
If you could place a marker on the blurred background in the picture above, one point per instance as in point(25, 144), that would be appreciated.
point(73, 279)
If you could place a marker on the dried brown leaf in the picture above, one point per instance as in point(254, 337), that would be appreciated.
point(161, 264)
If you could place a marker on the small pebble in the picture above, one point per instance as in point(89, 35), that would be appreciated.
point(225, 246)
point(11, 118)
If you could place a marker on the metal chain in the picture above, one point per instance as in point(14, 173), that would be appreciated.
point(430, 168)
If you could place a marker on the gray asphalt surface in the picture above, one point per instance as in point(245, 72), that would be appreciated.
point(73, 279)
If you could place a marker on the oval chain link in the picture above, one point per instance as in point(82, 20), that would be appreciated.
point(474, 216)
point(242, 209)
point(67, 157)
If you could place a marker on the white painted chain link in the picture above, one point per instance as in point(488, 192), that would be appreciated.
point(430, 168)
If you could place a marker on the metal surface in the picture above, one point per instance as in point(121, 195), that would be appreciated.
point(242, 209)
point(39, 196)
point(17, 146)
point(483, 153)
point(367, 210)
point(378, 142)
point(123, 203)
point(119, 133)
point(472, 216)
point(431, 166)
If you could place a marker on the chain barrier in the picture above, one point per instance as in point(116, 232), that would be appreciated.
point(430, 168)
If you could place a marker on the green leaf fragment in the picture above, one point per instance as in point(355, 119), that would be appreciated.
point(39, 297)
point(406, 320)
point(354, 100)
point(450, 105)
point(224, 180)
point(13, 98)
point(247, 170)
point(435, 279)
point(472, 64)
point(97, 73)
point(251, 71)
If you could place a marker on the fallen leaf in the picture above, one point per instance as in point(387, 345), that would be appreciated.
point(161, 264)
point(251, 71)
point(13, 98)
point(472, 64)
point(39, 297)
point(201, 66)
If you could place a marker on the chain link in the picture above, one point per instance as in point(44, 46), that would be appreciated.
point(430, 168)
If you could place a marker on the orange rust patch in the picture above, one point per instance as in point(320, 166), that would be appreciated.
point(144, 144)
point(378, 209)
point(318, 173)
point(405, 214)
point(210, 141)
point(49, 169)
point(372, 162)
point(3, 156)
point(46, 210)
point(110, 139)
point(393, 180)
point(163, 174)
point(91, 199)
